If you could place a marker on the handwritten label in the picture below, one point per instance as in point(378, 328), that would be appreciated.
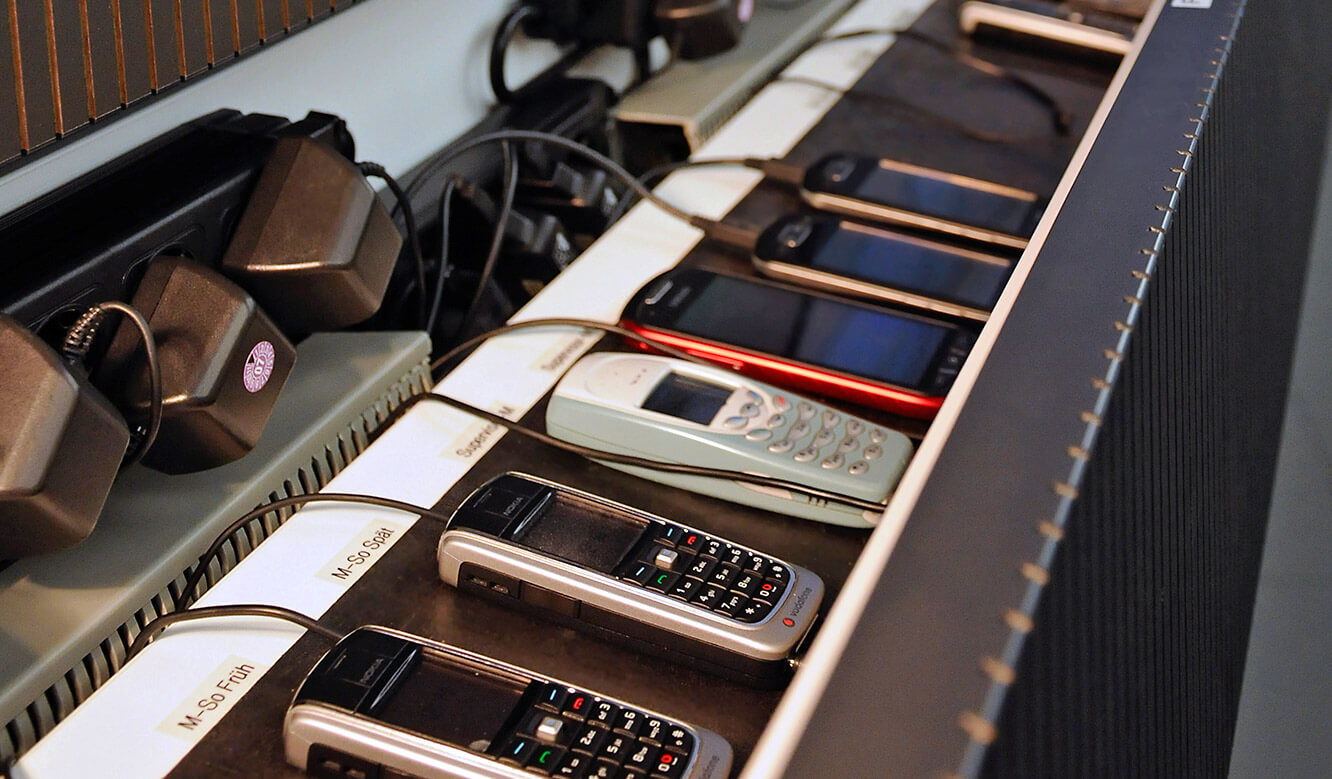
point(564, 352)
point(210, 701)
point(364, 551)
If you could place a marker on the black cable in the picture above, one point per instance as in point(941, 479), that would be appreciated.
point(1061, 118)
point(79, 340)
point(714, 229)
point(186, 596)
point(497, 241)
point(772, 168)
point(597, 454)
point(413, 234)
point(445, 268)
point(152, 629)
point(499, 47)
point(960, 128)
point(655, 465)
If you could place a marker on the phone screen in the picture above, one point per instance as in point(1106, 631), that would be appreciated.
point(944, 275)
point(945, 200)
point(581, 531)
point(452, 703)
point(859, 340)
point(685, 397)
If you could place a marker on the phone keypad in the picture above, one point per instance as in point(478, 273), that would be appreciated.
point(708, 573)
point(612, 740)
point(819, 436)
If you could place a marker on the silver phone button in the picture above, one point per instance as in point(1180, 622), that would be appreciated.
point(854, 427)
point(776, 420)
point(858, 467)
point(799, 430)
point(666, 558)
point(749, 410)
point(781, 447)
point(873, 452)
point(736, 422)
point(806, 410)
point(806, 454)
point(759, 434)
point(549, 729)
point(834, 462)
point(824, 438)
point(878, 436)
point(831, 418)
point(754, 397)
point(849, 444)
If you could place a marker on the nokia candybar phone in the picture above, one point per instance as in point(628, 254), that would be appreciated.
point(388, 704)
point(1082, 27)
point(853, 259)
point(631, 576)
point(676, 411)
point(923, 198)
point(892, 360)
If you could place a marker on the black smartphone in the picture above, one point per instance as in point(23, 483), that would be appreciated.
point(899, 193)
point(853, 259)
point(900, 362)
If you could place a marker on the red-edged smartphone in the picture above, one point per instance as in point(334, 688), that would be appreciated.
point(899, 362)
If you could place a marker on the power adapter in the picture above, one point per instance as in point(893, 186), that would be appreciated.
point(223, 364)
point(315, 245)
point(61, 446)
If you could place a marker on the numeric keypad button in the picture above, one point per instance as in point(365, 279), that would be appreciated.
point(768, 591)
point(823, 438)
point(679, 739)
point(872, 452)
point(701, 567)
point(686, 587)
point(732, 603)
point(642, 757)
point(878, 435)
point(858, 467)
point(798, 431)
point(781, 447)
point(654, 728)
point(574, 765)
point(589, 740)
point(831, 418)
point(805, 410)
point(779, 574)
point(628, 722)
point(735, 556)
point(709, 596)
point(754, 611)
point(616, 747)
point(805, 455)
point(776, 420)
point(747, 582)
point(833, 463)
point(669, 766)
point(759, 434)
point(724, 574)
point(854, 427)
point(713, 548)
point(848, 445)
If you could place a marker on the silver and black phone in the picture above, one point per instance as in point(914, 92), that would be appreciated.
point(388, 704)
point(1102, 28)
point(899, 193)
point(850, 258)
point(632, 577)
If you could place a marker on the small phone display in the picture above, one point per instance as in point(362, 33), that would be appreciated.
point(581, 531)
point(858, 260)
point(439, 698)
point(921, 197)
point(686, 397)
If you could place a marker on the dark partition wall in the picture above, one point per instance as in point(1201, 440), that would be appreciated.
point(1135, 663)
point(1072, 593)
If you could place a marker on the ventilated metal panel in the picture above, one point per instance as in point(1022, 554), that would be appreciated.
point(1136, 659)
point(68, 64)
point(43, 713)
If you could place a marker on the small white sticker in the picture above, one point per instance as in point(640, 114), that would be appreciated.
point(566, 350)
point(259, 366)
point(1191, 3)
point(210, 701)
point(364, 550)
point(477, 438)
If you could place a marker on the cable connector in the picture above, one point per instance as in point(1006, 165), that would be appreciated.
point(743, 238)
point(777, 169)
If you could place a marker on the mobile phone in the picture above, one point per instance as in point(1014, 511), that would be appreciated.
point(899, 193)
point(854, 259)
point(1080, 27)
point(676, 411)
point(631, 576)
point(899, 362)
point(388, 704)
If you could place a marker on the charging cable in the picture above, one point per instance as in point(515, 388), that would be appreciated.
point(375, 170)
point(78, 342)
point(155, 627)
point(742, 477)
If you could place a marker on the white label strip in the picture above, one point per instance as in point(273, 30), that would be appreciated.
point(211, 701)
point(431, 447)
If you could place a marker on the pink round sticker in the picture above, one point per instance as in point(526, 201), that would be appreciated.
point(259, 366)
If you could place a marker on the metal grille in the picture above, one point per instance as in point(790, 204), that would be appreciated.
point(40, 716)
point(68, 64)
point(1135, 663)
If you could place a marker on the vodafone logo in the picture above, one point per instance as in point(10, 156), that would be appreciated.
point(259, 366)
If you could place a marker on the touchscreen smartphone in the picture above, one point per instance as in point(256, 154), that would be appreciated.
point(899, 362)
point(858, 260)
point(922, 198)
